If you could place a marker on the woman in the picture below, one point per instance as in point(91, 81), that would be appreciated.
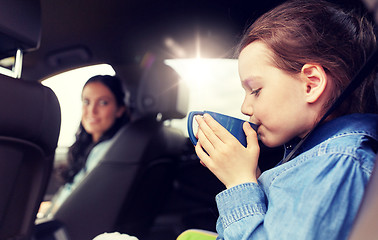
point(104, 112)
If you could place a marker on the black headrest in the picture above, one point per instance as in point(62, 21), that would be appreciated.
point(20, 26)
point(162, 91)
point(39, 119)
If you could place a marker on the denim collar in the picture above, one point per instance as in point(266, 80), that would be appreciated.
point(364, 123)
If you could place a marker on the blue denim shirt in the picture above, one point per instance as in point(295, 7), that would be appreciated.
point(316, 195)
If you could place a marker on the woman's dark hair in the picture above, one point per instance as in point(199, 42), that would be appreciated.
point(315, 31)
point(80, 149)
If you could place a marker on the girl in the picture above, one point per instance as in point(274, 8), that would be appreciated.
point(294, 61)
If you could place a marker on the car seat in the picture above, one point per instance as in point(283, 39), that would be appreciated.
point(29, 124)
point(131, 182)
point(29, 130)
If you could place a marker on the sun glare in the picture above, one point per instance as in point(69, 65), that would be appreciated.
point(193, 71)
point(213, 85)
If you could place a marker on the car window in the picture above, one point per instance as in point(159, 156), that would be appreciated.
point(213, 85)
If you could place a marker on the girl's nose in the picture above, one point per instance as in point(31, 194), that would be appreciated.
point(246, 107)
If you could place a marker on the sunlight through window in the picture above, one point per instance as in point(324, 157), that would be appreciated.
point(213, 84)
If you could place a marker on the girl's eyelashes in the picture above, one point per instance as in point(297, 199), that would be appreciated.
point(256, 92)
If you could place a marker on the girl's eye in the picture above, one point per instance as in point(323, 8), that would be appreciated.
point(85, 102)
point(256, 92)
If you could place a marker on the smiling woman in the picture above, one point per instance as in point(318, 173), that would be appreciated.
point(67, 87)
point(100, 108)
point(104, 112)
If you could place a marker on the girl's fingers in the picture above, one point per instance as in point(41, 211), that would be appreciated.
point(208, 136)
point(228, 160)
point(219, 134)
point(203, 164)
point(252, 142)
point(204, 141)
point(251, 135)
point(203, 156)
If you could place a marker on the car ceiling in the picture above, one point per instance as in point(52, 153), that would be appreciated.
point(122, 32)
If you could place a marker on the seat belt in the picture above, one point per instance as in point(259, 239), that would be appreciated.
point(356, 81)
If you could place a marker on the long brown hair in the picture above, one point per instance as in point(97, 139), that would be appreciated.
point(315, 31)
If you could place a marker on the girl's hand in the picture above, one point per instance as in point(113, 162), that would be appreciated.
point(224, 155)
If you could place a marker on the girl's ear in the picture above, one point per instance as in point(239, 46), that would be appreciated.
point(315, 80)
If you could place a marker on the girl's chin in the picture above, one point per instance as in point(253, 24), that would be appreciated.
point(269, 142)
point(271, 145)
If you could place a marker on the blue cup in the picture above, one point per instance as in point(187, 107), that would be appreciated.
point(233, 125)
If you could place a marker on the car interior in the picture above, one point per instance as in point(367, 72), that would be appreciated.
point(139, 166)
point(149, 183)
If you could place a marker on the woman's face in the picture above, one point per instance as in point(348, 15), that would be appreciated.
point(99, 110)
point(273, 99)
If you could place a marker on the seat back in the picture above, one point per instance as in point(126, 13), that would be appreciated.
point(126, 189)
point(29, 123)
point(29, 130)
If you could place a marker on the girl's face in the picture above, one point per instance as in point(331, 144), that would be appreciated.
point(273, 98)
point(99, 110)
